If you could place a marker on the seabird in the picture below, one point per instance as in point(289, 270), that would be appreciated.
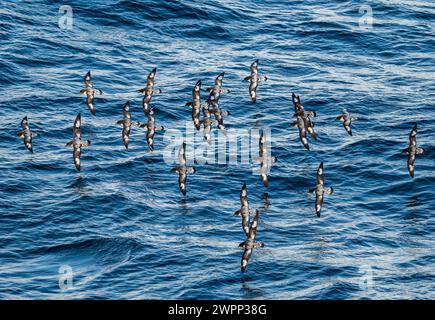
point(151, 128)
point(196, 105)
point(26, 134)
point(250, 244)
point(265, 159)
point(244, 209)
point(412, 150)
point(320, 190)
point(300, 124)
point(207, 124)
point(253, 79)
point(77, 143)
point(183, 170)
point(347, 121)
point(127, 124)
point(90, 92)
point(149, 90)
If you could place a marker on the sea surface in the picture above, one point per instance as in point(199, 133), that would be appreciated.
point(121, 229)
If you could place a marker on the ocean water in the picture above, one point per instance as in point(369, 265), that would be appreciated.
point(120, 228)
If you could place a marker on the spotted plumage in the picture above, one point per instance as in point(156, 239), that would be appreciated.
point(149, 90)
point(412, 150)
point(250, 243)
point(265, 159)
point(90, 92)
point(183, 170)
point(347, 121)
point(151, 127)
point(26, 134)
point(320, 190)
point(196, 105)
point(254, 79)
point(127, 123)
point(77, 143)
point(244, 209)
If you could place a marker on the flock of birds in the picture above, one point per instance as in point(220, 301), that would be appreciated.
point(303, 121)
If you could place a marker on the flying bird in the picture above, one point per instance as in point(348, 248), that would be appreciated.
point(151, 128)
point(250, 244)
point(77, 143)
point(90, 92)
point(347, 121)
point(412, 150)
point(320, 190)
point(196, 105)
point(254, 79)
point(149, 90)
point(26, 134)
point(244, 209)
point(265, 159)
point(127, 124)
point(183, 170)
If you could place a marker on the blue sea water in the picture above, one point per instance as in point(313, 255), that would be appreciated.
point(121, 229)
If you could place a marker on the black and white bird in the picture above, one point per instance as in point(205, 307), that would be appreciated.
point(265, 159)
point(127, 123)
point(151, 127)
point(90, 92)
point(244, 210)
point(183, 170)
point(196, 105)
point(149, 90)
point(26, 134)
point(207, 123)
point(347, 121)
point(412, 150)
point(77, 143)
point(250, 243)
point(300, 124)
point(216, 90)
point(254, 79)
point(320, 189)
point(305, 115)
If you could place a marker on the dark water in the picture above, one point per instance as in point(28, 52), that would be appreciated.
point(122, 227)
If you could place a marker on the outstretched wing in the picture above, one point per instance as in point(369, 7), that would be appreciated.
point(25, 124)
point(152, 74)
point(126, 134)
point(320, 176)
point(245, 258)
point(413, 136)
point(253, 228)
point(319, 202)
point(411, 160)
point(347, 128)
point(90, 103)
point(182, 155)
point(76, 156)
point(88, 80)
point(303, 133)
point(253, 84)
point(182, 181)
point(196, 92)
point(126, 110)
point(263, 173)
point(77, 125)
point(244, 196)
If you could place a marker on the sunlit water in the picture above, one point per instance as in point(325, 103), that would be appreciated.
point(122, 226)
